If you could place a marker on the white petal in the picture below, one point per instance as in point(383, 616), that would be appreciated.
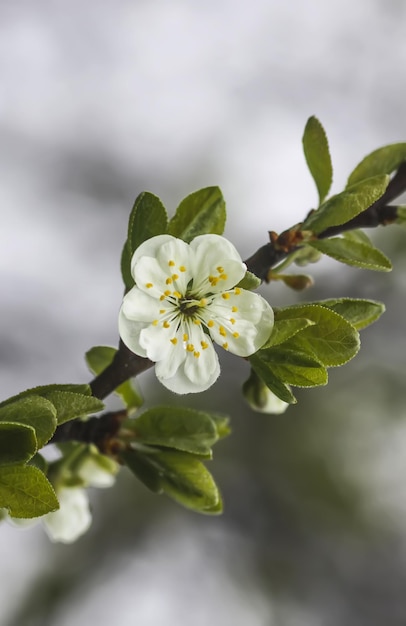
point(156, 341)
point(174, 258)
point(181, 382)
point(130, 331)
point(140, 306)
point(150, 248)
point(73, 518)
point(241, 323)
point(215, 256)
point(150, 277)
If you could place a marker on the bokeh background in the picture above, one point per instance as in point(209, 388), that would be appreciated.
point(101, 100)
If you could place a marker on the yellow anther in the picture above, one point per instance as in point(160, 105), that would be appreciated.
point(166, 324)
point(155, 323)
point(220, 269)
point(162, 311)
point(175, 276)
point(210, 324)
point(225, 345)
point(225, 295)
point(177, 294)
point(185, 337)
point(167, 293)
point(190, 347)
point(171, 263)
point(202, 302)
point(236, 335)
point(174, 341)
point(234, 309)
point(204, 345)
point(232, 320)
point(149, 285)
point(182, 268)
point(162, 297)
point(168, 281)
point(197, 322)
point(196, 354)
point(237, 291)
point(211, 278)
point(222, 331)
point(223, 276)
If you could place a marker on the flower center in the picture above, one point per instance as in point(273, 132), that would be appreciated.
point(189, 306)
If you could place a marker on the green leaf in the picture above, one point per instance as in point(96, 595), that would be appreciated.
point(317, 154)
point(341, 208)
point(148, 218)
point(202, 212)
point(285, 329)
point(139, 465)
point(359, 313)
point(126, 256)
point(17, 443)
point(294, 367)
point(70, 405)
point(357, 235)
point(384, 160)
point(331, 340)
point(97, 359)
point(222, 424)
point(33, 411)
point(265, 372)
point(185, 479)
point(249, 282)
point(43, 390)
point(353, 253)
point(26, 492)
point(180, 428)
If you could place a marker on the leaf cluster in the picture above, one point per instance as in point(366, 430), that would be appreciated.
point(27, 423)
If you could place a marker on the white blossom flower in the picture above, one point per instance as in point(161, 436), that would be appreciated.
point(72, 519)
point(184, 298)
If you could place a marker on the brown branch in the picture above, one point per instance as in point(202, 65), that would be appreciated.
point(126, 364)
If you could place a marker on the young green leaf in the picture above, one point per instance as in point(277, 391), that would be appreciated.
point(17, 443)
point(33, 411)
point(384, 160)
point(70, 405)
point(331, 340)
point(341, 208)
point(26, 492)
point(128, 280)
point(265, 372)
point(294, 367)
point(285, 329)
point(200, 213)
point(138, 464)
point(148, 218)
point(97, 359)
point(185, 479)
point(249, 282)
point(359, 313)
point(180, 428)
point(317, 154)
point(353, 253)
point(44, 389)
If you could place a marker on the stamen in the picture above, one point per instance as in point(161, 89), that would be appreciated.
point(223, 276)
point(155, 323)
point(204, 345)
point(220, 269)
point(222, 331)
point(182, 268)
point(185, 337)
point(166, 324)
point(168, 281)
point(162, 297)
point(225, 295)
point(236, 335)
point(167, 293)
point(149, 285)
point(162, 311)
point(171, 263)
point(197, 322)
point(232, 320)
point(175, 276)
point(225, 345)
point(210, 324)
point(196, 354)
point(203, 302)
point(177, 294)
point(174, 341)
point(234, 309)
point(190, 347)
point(237, 291)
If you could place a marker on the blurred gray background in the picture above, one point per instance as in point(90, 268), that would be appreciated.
point(101, 100)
